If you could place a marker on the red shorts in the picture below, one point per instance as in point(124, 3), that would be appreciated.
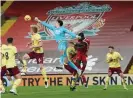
point(81, 57)
point(37, 56)
point(117, 70)
point(13, 71)
point(3, 71)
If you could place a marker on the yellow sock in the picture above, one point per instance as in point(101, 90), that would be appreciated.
point(75, 80)
point(16, 83)
point(73, 83)
point(1, 85)
point(11, 82)
point(107, 81)
point(124, 83)
point(25, 63)
point(44, 74)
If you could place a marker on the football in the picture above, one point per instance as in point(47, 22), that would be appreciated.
point(27, 18)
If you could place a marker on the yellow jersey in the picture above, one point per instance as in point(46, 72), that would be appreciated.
point(115, 58)
point(70, 51)
point(9, 54)
point(2, 57)
point(36, 38)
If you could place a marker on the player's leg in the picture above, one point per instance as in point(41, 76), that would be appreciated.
point(62, 57)
point(26, 57)
point(3, 71)
point(120, 73)
point(78, 63)
point(2, 89)
point(73, 80)
point(110, 72)
point(39, 58)
point(9, 78)
point(68, 68)
point(71, 64)
point(84, 62)
point(44, 74)
point(84, 81)
point(16, 73)
point(62, 46)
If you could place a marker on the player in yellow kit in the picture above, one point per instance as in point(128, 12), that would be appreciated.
point(37, 51)
point(113, 58)
point(10, 53)
point(2, 67)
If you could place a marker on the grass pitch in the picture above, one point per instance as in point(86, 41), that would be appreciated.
point(64, 92)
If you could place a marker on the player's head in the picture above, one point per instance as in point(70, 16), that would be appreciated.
point(59, 23)
point(34, 29)
point(111, 49)
point(10, 40)
point(82, 36)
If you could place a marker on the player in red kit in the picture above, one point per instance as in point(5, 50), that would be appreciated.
point(82, 52)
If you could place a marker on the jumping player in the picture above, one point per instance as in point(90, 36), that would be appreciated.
point(82, 52)
point(113, 58)
point(37, 52)
point(59, 33)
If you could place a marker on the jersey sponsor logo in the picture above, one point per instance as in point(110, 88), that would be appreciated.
point(83, 17)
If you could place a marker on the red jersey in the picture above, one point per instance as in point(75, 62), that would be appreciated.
point(86, 44)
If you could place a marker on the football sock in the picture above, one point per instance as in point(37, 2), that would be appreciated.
point(44, 74)
point(124, 83)
point(24, 63)
point(62, 59)
point(107, 81)
point(16, 83)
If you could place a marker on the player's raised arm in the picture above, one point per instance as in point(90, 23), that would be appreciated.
point(73, 35)
point(49, 26)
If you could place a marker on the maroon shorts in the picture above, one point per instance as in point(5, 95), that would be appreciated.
point(13, 71)
point(117, 70)
point(3, 71)
point(81, 57)
point(71, 70)
point(37, 56)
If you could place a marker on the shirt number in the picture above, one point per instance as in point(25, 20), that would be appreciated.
point(6, 55)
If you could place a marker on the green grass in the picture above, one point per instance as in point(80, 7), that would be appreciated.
point(63, 92)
